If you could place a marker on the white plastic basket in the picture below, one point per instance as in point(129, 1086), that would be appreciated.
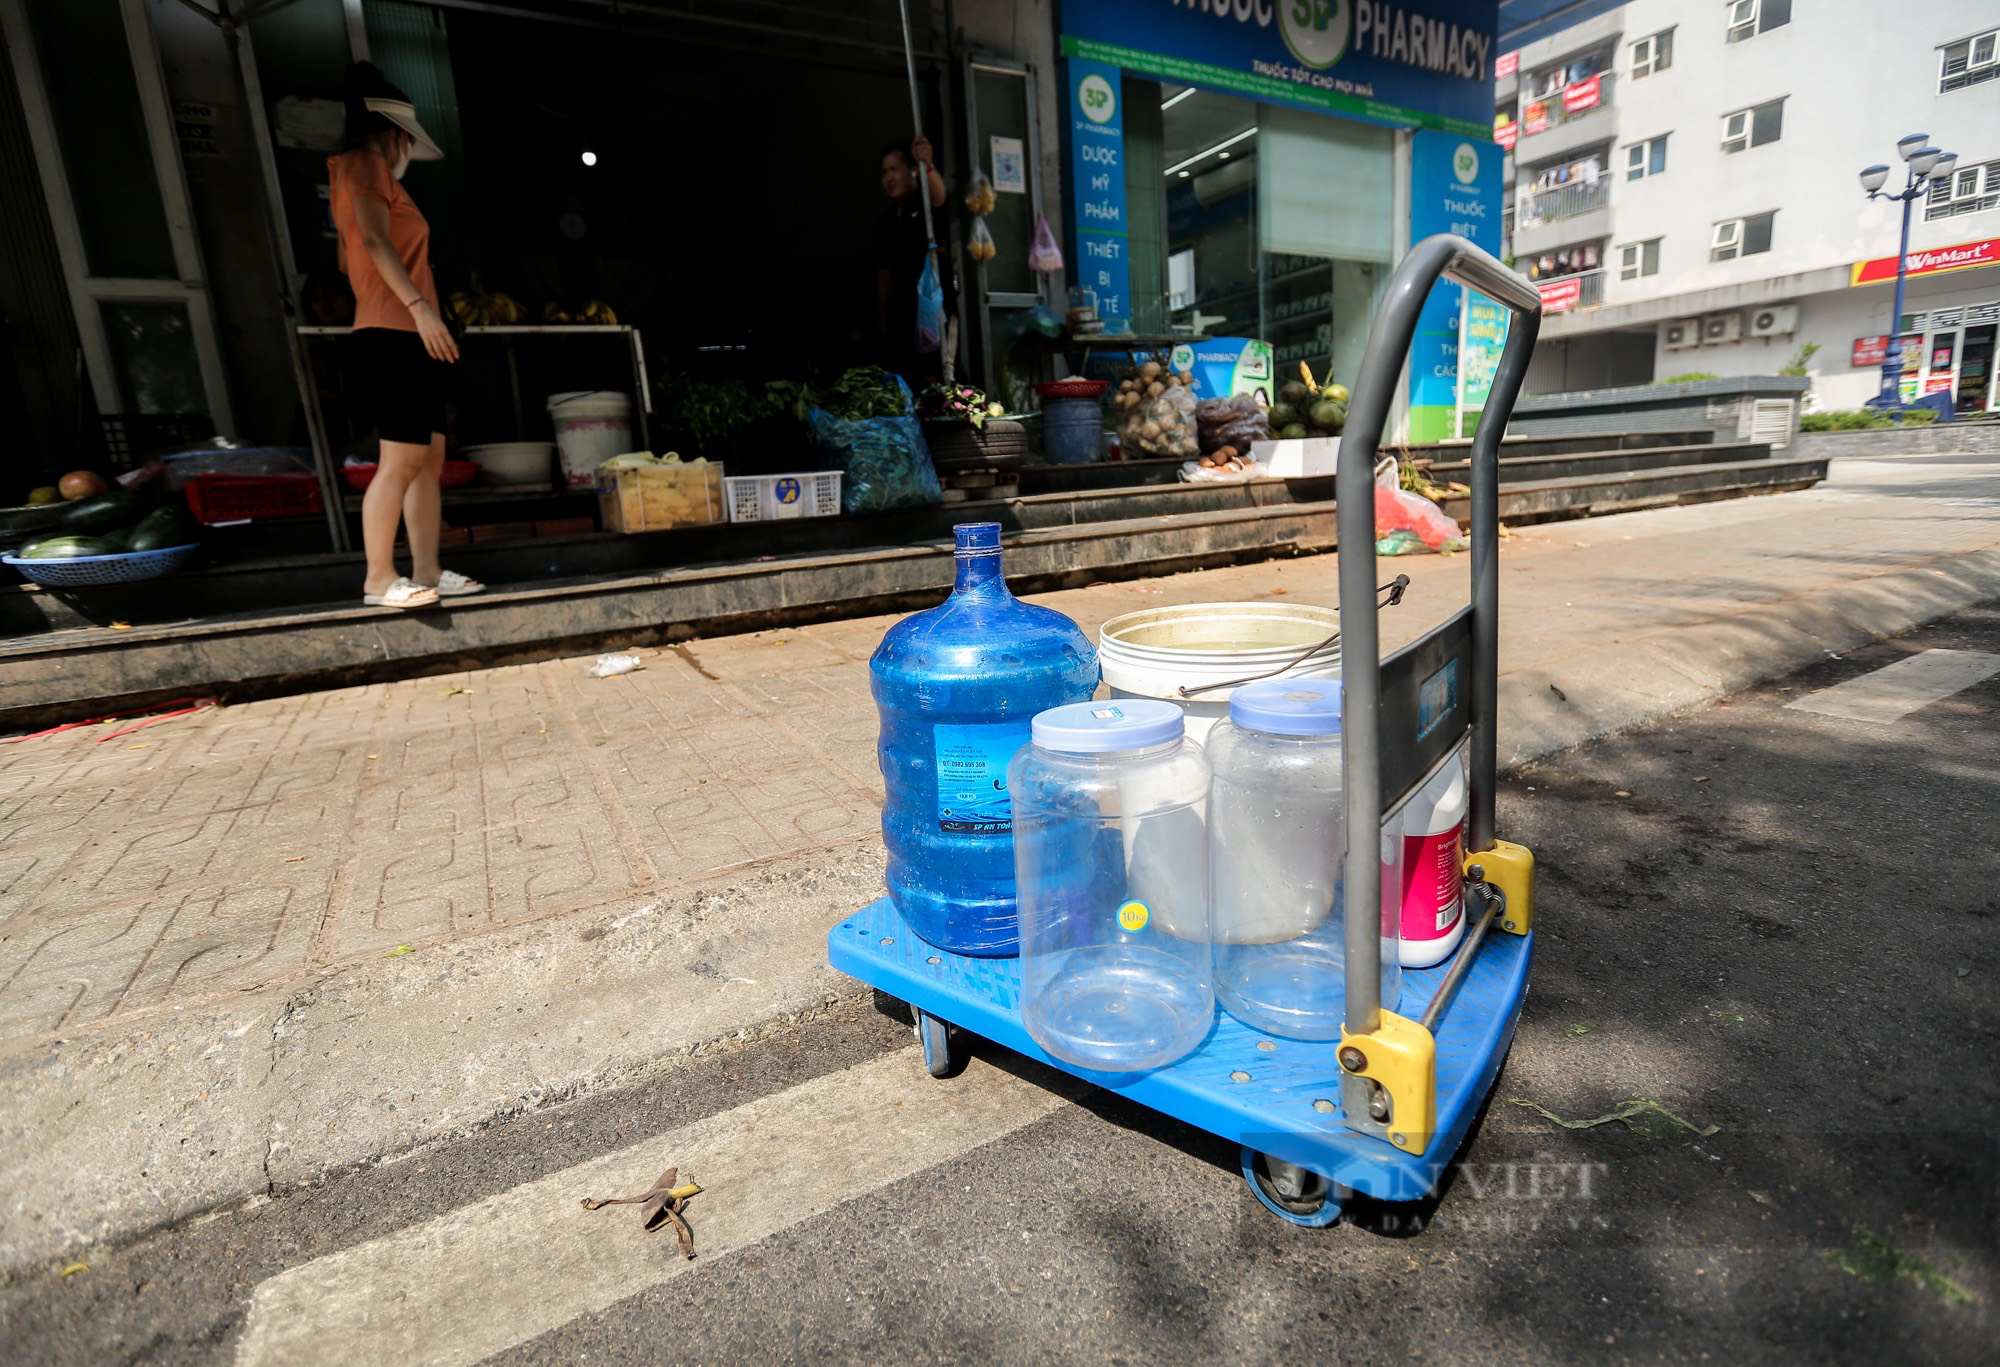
point(762, 498)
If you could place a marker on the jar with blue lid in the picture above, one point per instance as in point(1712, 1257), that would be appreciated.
point(1276, 846)
point(1111, 864)
point(955, 688)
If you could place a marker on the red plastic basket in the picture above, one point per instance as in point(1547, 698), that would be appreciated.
point(236, 498)
point(1072, 389)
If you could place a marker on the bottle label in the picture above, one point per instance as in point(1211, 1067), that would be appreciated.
point(972, 776)
point(1433, 898)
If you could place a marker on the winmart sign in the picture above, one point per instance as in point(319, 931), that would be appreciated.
point(1424, 66)
point(1964, 257)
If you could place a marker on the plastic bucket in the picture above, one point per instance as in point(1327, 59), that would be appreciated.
point(591, 427)
point(1071, 430)
point(1156, 652)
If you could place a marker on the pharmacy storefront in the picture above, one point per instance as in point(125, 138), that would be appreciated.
point(1251, 170)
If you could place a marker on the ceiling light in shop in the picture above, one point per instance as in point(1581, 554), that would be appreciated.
point(1223, 155)
point(1211, 151)
point(589, 157)
point(1186, 174)
point(1174, 100)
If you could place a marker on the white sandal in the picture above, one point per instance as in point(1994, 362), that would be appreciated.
point(452, 584)
point(404, 593)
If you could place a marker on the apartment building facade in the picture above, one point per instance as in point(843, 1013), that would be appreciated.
point(1683, 183)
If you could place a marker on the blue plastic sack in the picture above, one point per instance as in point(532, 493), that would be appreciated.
point(884, 462)
point(930, 306)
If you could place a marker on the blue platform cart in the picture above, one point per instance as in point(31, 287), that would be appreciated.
point(1384, 1111)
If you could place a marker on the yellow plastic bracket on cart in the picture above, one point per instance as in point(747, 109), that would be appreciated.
point(1510, 868)
point(1401, 1058)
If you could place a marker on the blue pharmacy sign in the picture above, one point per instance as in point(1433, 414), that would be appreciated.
point(1424, 65)
point(1454, 188)
point(1097, 187)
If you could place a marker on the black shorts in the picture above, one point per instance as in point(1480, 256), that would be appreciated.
point(398, 384)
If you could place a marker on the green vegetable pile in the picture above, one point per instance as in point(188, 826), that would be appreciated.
point(112, 524)
point(709, 415)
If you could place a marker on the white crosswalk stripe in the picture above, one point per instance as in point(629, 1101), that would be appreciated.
point(471, 1282)
point(1894, 691)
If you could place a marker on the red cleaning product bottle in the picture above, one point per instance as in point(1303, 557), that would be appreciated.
point(1433, 855)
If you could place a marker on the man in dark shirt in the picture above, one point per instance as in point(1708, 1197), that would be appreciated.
point(900, 249)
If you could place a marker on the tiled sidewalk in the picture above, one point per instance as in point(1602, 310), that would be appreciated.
point(249, 847)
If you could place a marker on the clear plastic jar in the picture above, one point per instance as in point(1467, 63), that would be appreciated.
point(1111, 871)
point(1276, 852)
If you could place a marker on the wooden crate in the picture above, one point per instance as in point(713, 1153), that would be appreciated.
point(653, 500)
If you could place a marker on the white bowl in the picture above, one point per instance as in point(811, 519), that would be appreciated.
point(515, 462)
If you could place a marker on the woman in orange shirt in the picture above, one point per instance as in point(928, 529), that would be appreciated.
point(400, 348)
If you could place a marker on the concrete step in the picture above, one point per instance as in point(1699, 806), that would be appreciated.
point(1460, 447)
point(1056, 541)
point(59, 675)
point(1594, 495)
point(282, 586)
point(1516, 469)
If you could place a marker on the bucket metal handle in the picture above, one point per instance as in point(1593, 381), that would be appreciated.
point(1393, 591)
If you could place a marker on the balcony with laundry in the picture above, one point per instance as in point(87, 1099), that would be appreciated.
point(1568, 277)
point(1565, 200)
point(1567, 106)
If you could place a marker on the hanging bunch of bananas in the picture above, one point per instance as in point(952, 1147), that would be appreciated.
point(594, 312)
point(484, 310)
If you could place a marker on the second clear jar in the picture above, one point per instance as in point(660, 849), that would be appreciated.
point(1276, 852)
point(1111, 876)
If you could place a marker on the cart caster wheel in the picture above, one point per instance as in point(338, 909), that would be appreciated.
point(935, 1035)
point(1294, 1194)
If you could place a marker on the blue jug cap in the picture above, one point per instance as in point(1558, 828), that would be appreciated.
point(1098, 728)
point(1288, 707)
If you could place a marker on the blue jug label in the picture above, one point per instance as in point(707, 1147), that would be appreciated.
point(972, 776)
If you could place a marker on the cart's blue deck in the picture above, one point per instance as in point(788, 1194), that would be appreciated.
point(1273, 1112)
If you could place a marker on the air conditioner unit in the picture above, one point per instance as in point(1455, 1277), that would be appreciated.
point(1779, 320)
point(1681, 334)
point(1718, 329)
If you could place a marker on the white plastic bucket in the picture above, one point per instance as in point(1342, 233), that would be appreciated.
point(1156, 652)
point(591, 427)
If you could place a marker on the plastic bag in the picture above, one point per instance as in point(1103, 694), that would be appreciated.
point(930, 306)
point(1159, 425)
point(885, 463)
point(979, 198)
point(1196, 473)
point(1045, 255)
point(979, 243)
point(1409, 524)
point(1239, 421)
point(609, 666)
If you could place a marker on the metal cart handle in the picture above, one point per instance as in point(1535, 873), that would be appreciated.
point(1381, 367)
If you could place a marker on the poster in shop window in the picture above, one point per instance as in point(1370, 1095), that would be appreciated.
point(1010, 166)
point(1454, 188)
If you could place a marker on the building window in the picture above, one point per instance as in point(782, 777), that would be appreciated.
point(1970, 189)
point(1639, 258)
point(1748, 128)
point(1652, 54)
point(1647, 158)
point(1969, 61)
point(1736, 237)
point(1748, 18)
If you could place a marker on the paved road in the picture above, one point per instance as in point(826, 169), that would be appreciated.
point(1776, 920)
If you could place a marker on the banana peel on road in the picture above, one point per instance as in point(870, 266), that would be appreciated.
point(662, 1203)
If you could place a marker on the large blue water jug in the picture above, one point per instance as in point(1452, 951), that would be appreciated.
point(956, 688)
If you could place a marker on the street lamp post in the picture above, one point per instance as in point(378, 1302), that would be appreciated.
point(1928, 166)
